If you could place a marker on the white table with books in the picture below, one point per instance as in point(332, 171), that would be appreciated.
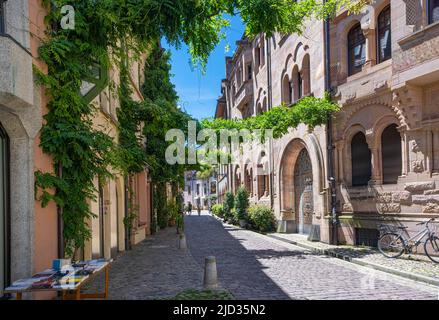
point(68, 280)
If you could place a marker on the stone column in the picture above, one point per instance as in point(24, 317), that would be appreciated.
point(370, 47)
point(375, 159)
point(429, 150)
point(404, 153)
point(339, 160)
point(435, 150)
point(376, 164)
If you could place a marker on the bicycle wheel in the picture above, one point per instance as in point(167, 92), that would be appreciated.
point(391, 245)
point(431, 247)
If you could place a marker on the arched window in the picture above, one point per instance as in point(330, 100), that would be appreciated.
point(286, 90)
point(296, 85)
point(433, 11)
point(263, 184)
point(262, 54)
point(237, 179)
point(306, 75)
point(384, 35)
point(391, 154)
point(264, 105)
point(356, 49)
point(361, 160)
point(299, 86)
point(249, 180)
point(257, 57)
point(4, 218)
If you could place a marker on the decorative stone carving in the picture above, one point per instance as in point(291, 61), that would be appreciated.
point(417, 187)
point(385, 197)
point(418, 166)
point(431, 208)
point(408, 99)
point(389, 208)
point(415, 146)
point(380, 85)
point(347, 207)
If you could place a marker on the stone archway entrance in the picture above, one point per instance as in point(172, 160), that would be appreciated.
point(303, 192)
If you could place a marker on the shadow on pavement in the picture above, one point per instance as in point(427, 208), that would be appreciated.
point(240, 269)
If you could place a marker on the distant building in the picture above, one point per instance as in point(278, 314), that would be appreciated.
point(199, 192)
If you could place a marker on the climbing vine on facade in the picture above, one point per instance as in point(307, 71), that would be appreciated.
point(309, 110)
point(112, 32)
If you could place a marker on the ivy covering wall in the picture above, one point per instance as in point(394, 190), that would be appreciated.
point(114, 33)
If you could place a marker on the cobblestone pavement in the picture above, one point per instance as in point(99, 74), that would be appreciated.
point(415, 264)
point(155, 268)
point(250, 266)
point(253, 266)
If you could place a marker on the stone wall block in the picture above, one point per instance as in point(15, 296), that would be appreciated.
point(402, 197)
point(430, 192)
point(423, 199)
point(419, 187)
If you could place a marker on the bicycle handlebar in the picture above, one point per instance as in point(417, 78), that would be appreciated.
point(426, 222)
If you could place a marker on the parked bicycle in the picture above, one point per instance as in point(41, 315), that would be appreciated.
point(393, 241)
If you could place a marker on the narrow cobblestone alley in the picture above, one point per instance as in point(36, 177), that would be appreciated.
point(250, 266)
point(154, 269)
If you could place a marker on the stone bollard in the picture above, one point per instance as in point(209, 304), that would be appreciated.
point(210, 280)
point(182, 242)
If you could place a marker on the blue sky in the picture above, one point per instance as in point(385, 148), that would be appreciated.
point(198, 93)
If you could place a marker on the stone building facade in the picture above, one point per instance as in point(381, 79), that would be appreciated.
point(386, 135)
point(384, 74)
point(29, 234)
point(289, 175)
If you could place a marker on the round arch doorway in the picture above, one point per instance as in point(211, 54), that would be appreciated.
point(303, 192)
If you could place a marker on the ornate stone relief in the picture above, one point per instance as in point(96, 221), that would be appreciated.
point(409, 101)
point(415, 146)
point(418, 166)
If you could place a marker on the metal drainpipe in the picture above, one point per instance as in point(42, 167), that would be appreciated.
point(330, 147)
point(127, 235)
point(269, 105)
